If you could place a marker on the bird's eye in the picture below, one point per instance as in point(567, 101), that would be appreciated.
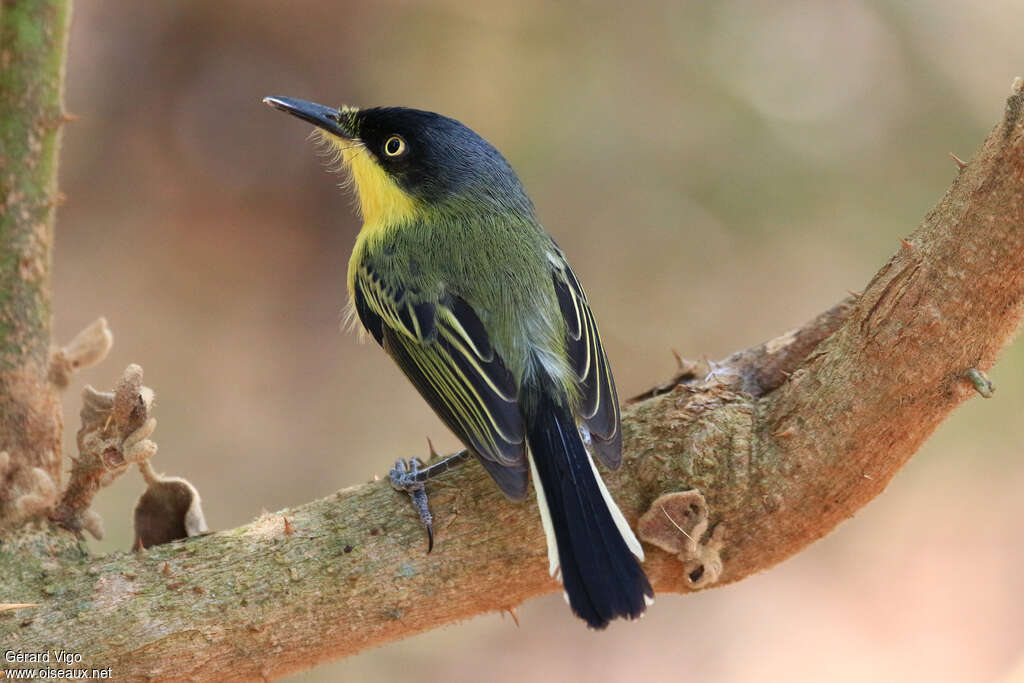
point(394, 146)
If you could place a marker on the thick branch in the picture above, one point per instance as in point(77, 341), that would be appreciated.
point(33, 38)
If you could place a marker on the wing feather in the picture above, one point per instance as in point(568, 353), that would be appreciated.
point(599, 402)
point(444, 349)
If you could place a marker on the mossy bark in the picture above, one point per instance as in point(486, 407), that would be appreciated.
point(33, 44)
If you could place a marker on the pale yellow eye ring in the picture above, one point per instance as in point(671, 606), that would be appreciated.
point(394, 146)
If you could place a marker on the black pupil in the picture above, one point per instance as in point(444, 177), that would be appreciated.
point(393, 145)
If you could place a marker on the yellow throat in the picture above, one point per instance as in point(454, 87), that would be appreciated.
point(383, 204)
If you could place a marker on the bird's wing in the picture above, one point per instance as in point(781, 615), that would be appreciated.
point(443, 348)
point(599, 404)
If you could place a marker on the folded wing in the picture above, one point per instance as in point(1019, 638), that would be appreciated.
point(444, 350)
point(599, 405)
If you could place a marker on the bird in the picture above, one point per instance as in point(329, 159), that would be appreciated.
point(453, 275)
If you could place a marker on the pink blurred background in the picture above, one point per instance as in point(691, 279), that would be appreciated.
point(717, 172)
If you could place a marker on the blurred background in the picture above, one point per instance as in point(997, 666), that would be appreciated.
point(717, 172)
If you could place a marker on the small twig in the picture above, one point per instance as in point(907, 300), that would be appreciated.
point(9, 606)
point(114, 435)
point(961, 164)
point(982, 384)
point(681, 529)
point(89, 347)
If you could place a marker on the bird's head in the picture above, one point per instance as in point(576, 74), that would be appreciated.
point(406, 161)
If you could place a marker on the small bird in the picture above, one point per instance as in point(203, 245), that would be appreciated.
point(454, 277)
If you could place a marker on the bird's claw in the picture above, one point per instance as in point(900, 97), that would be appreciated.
point(405, 477)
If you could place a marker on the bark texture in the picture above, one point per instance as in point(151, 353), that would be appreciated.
point(33, 37)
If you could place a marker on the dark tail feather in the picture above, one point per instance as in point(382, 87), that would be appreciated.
point(600, 573)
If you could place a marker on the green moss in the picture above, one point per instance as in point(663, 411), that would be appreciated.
point(23, 23)
point(33, 36)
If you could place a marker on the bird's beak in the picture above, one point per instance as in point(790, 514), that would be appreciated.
point(320, 116)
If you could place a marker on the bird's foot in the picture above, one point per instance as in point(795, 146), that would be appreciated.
point(405, 477)
point(410, 476)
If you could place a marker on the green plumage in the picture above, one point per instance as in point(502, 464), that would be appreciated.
point(499, 265)
point(504, 269)
point(455, 278)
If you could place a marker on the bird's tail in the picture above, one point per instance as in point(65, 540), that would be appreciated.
point(586, 533)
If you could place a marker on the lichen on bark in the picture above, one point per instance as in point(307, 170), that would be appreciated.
point(33, 37)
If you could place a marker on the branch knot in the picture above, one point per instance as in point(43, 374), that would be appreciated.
point(677, 522)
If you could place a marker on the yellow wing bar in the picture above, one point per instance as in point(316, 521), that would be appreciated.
point(599, 402)
point(444, 350)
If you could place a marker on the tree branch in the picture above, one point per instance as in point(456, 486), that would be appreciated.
point(778, 446)
point(33, 38)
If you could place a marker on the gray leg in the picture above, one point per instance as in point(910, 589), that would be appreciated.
point(407, 476)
